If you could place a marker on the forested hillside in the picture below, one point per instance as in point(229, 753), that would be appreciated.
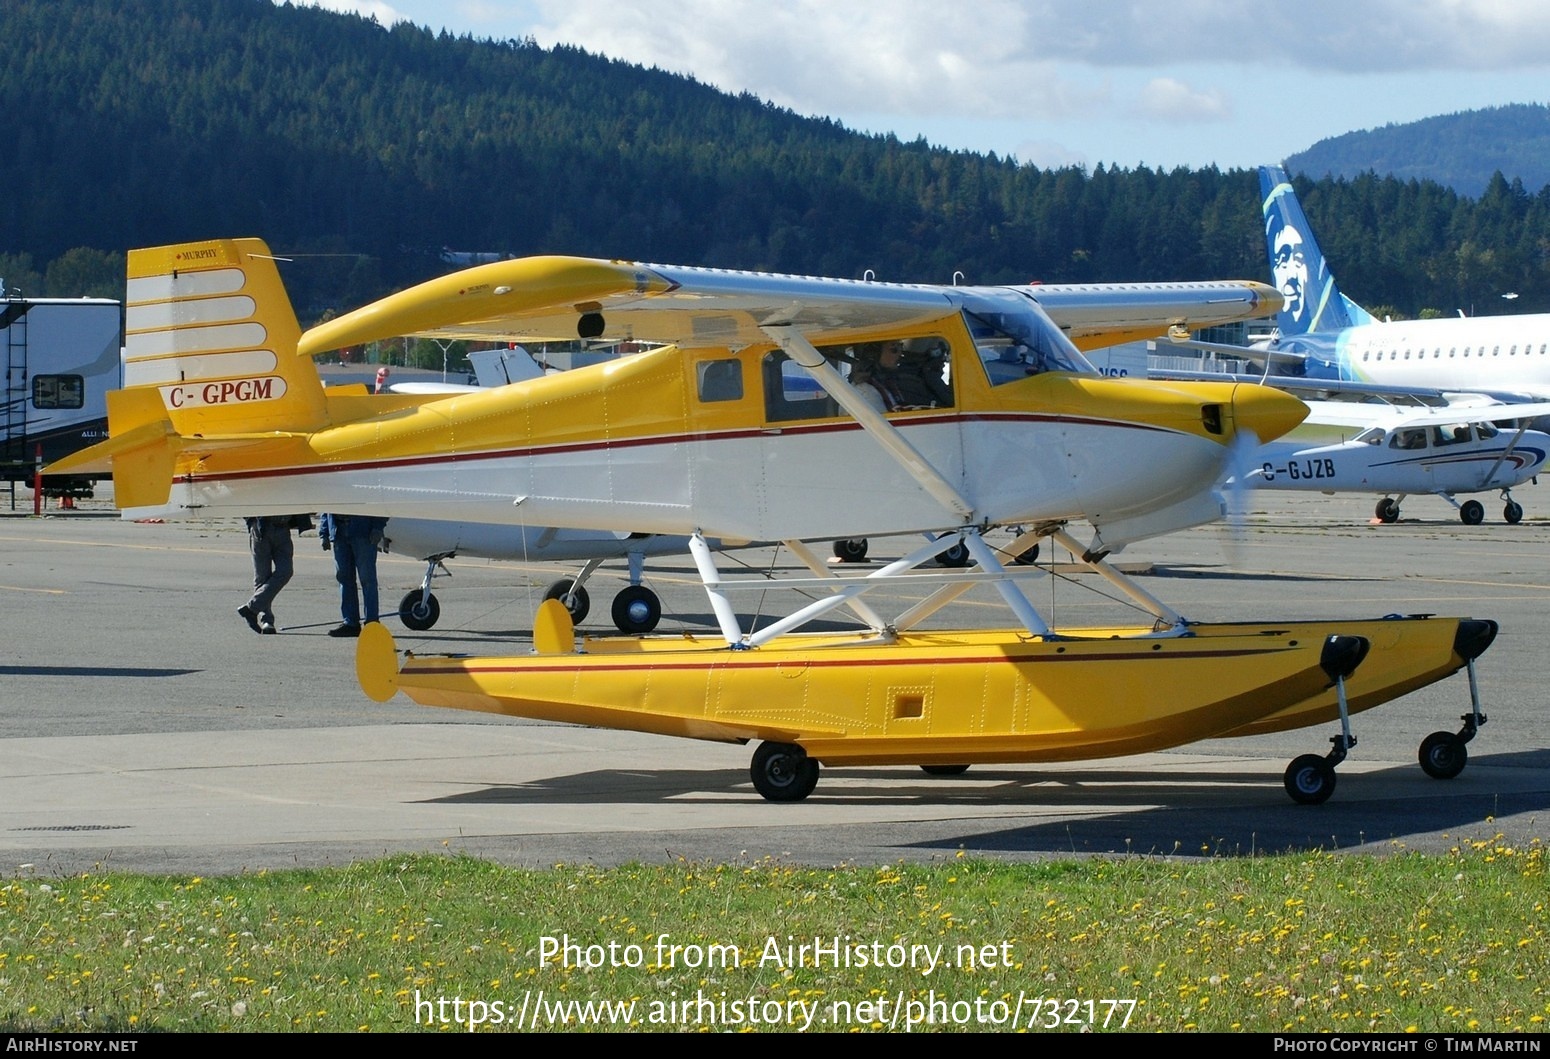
point(1463, 151)
point(363, 152)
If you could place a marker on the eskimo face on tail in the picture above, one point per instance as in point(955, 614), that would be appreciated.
point(1289, 268)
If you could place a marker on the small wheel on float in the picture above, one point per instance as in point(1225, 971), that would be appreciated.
point(637, 609)
point(782, 772)
point(944, 770)
point(1028, 557)
point(419, 610)
point(1310, 780)
point(851, 551)
point(1443, 755)
point(1472, 513)
point(578, 603)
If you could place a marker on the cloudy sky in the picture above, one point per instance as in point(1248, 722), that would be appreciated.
point(1055, 82)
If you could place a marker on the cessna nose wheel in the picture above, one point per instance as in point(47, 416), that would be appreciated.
point(419, 610)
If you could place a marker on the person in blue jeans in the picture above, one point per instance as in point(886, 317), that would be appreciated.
point(354, 540)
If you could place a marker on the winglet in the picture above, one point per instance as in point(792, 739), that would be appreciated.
point(376, 662)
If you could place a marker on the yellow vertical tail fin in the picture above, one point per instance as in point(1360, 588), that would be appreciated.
point(209, 325)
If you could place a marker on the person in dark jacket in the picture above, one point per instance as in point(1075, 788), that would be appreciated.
point(354, 540)
point(269, 539)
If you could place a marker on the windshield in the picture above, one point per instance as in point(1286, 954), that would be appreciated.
point(1015, 338)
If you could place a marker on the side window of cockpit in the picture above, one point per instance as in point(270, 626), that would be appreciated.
point(900, 376)
point(720, 380)
point(1414, 438)
point(791, 393)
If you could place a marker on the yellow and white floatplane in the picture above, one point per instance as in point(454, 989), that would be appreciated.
point(786, 409)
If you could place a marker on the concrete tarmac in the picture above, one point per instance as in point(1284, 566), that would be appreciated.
point(144, 727)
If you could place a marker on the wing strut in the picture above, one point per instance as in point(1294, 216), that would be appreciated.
point(799, 349)
point(1141, 596)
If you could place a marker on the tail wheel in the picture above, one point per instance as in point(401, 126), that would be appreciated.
point(1310, 780)
point(578, 602)
point(636, 609)
point(1443, 755)
point(783, 772)
point(1513, 512)
point(419, 610)
point(1472, 513)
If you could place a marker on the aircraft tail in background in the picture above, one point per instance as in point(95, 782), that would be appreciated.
point(1297, 265)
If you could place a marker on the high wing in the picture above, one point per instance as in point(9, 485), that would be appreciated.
point(1105, 314)
point(697, 307)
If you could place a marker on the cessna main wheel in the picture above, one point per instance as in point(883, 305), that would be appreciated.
point(851, 551)
point(637, 609)
point(1513, 512)
point(1387, 510)
point(419, 611)
point(1310, 780)
point(1443, 755)
point(1472, 513)
point(956, 555)
point(579, 602)
point(782, 772)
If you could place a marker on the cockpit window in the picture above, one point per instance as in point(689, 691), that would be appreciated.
point(1016, 339)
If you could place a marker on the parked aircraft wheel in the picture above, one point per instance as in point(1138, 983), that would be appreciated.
point(1310, 780)
point(578, 605)
point(1443, 755)
point(1028, 558)
point(1387, 510)
point(637, 609)
point(955, 556)
point(1513, 512)
point(419, 611)
point(783, 773)
point(1472, 512)
point(851, 551)
point(944, 770)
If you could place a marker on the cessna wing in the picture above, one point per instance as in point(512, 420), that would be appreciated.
point(696, 307)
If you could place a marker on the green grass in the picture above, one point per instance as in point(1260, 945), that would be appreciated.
point(1306, 942)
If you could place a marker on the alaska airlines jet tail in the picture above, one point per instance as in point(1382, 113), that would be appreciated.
point(1313, 301)
point(1323, 335)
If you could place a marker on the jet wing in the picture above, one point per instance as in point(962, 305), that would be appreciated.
point(564, 298)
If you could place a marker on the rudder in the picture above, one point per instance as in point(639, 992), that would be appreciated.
point(1313, 302)
point(209, 325)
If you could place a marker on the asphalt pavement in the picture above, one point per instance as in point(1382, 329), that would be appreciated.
point(143, 726)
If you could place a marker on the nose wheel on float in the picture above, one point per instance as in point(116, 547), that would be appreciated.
point(1310, 778)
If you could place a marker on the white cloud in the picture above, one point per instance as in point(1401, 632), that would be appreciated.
point(385, 14)
point(907, 57)
point(1169, 99)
